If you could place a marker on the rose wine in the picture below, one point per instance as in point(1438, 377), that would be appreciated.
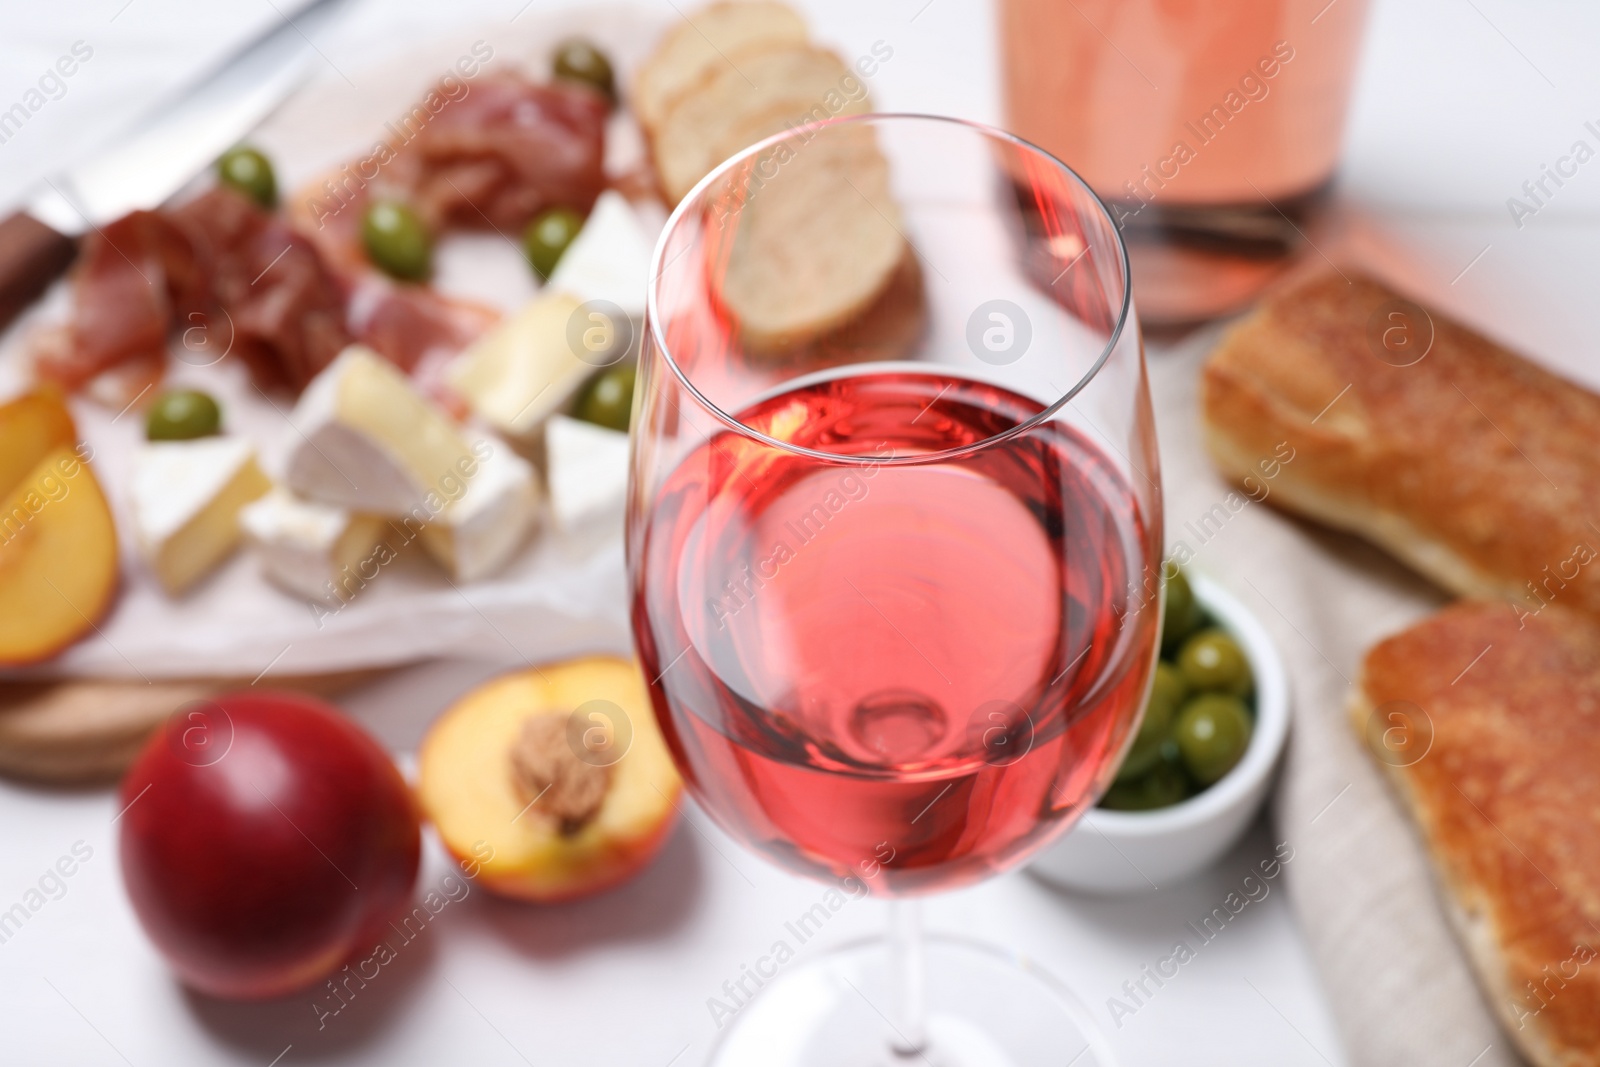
point(915, 673)
point(1253, 90)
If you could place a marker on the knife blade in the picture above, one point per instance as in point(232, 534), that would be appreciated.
point(156, 159)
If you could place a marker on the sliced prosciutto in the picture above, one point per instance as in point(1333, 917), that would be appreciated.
point(287, 294)
point(232, 278)
point(505, 152)
point(284, 311)
point(134, 277)
point(492, 159)
point(409, 324)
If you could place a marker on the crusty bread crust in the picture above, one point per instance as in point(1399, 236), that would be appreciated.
point(1473, 465)
point(1388, 529)
point(1507, 801)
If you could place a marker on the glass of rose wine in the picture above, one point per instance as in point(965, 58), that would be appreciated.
point(893, 543)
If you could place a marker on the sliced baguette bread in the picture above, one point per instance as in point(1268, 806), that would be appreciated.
point(704, 44)
point(767, 92)
point(1489, 726)
point(811, 240)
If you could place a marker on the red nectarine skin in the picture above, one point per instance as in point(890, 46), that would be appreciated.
point(266, 838)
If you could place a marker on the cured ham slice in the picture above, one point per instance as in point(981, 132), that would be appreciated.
point(282, 308)
point(286, 294)
point(494, 158)
point(134, 276)
point(409, 324)
point(233, 278)
point(505, 152)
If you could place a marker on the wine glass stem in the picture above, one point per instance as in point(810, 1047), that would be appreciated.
point(907, 977)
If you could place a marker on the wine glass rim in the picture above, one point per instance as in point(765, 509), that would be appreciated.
point(692, 200)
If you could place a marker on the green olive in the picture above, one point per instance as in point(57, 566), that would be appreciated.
point(1182, 614)
point(608, 401)
point(1213, 731)
point(250, 172)
point(579, 60)
point(1168, 685)
point(1167, 690)
point(1163, 786)
point(547, 236)
point(1211, 661)
point(396, 240)
point(181, 415)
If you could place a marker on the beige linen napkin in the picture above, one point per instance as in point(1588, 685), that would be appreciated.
point(1360, 882)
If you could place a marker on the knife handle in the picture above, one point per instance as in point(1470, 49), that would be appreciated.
point(32, 255)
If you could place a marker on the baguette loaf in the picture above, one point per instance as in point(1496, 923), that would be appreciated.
point(1471, 464)
point(1490, 729)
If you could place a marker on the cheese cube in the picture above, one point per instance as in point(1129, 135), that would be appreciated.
point(367, 440)
point(478, 532)
point(609, 259)
point(588, 472)
point(524, 369)
point(186, 498)
point(308, 548)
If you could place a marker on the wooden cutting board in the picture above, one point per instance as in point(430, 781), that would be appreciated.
point(84, 732)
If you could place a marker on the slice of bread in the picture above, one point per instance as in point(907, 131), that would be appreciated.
point(1489, 727)
point(811, 238)
point(704, 44)
point(1470, 463)
point(764, 94)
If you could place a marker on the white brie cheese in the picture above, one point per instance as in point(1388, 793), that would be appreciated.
point(479, 531)
point(609, 259)
point(525, 369)
point(310, 548)
point(588, 472)
point(367, 440)
point(186, 498)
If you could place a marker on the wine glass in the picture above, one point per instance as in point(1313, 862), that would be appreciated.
point(893, 538)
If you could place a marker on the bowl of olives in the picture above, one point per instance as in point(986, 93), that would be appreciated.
point(1202, 760)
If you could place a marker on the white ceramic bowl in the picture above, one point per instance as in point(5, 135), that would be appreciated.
point(1132, 851)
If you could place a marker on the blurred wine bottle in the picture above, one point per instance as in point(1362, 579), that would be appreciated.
point(1210, 127)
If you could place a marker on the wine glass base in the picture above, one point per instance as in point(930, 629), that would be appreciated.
point(985, 1007)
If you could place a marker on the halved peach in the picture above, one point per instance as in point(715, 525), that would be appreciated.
point(58, 558)
point(551, 783)
point(30, 426)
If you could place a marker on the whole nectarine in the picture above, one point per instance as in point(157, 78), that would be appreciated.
point(265, 839)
